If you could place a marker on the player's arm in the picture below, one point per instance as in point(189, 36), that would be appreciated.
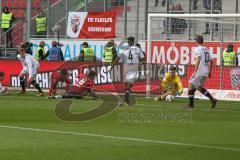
point(68, 84)
point(141, 56)
point(94, 56)
point(179, 84)
point(210, 64)
point(197, 63)
point(81, 56)
point(40, 53)
point(114, 63)
point(21, 60)
point(114, 51)
point(53, 87)
point(164, 83)
point(30, 69)
point(61, 55)
point(44, 56)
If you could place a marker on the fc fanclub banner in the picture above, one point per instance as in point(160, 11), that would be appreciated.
point(91, 24)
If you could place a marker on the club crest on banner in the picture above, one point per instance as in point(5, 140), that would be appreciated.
point(75, 23)
point(235, 78)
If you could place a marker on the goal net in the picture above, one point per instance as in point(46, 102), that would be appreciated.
point(171, 42)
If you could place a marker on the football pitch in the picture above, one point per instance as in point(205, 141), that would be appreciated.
point(30, 129)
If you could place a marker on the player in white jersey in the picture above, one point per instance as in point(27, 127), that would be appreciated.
point(3, 90)
point(30, 68)
point(203, 69)
point(131, 58)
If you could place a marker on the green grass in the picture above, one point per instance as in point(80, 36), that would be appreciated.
point(214, 128)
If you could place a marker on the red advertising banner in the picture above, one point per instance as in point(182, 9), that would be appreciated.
point(104, 81)
point(179, 52)
point(91, 24)
point(113, 81)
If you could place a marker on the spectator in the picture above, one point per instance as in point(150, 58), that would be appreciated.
point(195, 4)
point(163, 2)
point(229, 56)
point(217, 4)
point(41, 53)
point(41, 25)
point(178, 25)
point(28, 48)
point(55, 53)
point(120, 2)
point(217, 8)
point(207, 4)
point(6, 25)
point(110, 52)
point(87, 53)
point(156, 3)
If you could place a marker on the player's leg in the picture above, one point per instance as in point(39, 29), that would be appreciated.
point(191, 93)
point(206, 93)
point(32, 78)
point(191, 90)
point(164, 87)
point(130, 76)
point(33, 82)
point(73, 92)
point(22, 79)
point(127, 93)
point(22, 84)
point(66, 96)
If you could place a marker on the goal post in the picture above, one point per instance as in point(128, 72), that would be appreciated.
point(225, 25)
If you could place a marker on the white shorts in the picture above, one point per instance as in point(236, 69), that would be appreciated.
point(130, 73)
point(33, 74)
point(198, 80)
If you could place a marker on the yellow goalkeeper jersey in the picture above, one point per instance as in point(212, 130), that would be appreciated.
point(173, 82)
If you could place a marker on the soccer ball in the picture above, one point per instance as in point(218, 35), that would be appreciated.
point(3, 89)
point(170, 98)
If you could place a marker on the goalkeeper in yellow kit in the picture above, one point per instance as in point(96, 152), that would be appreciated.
point(171, 84)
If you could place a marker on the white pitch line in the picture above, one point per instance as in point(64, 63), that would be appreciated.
point(121, 138)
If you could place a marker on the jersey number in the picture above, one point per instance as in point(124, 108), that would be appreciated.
point(82, 81)
point(207, 58)
point(130, 56)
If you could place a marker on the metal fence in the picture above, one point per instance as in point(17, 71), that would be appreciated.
point(131, 19)
point(132, 14)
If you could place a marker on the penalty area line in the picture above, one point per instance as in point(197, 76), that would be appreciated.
point(121, 138)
